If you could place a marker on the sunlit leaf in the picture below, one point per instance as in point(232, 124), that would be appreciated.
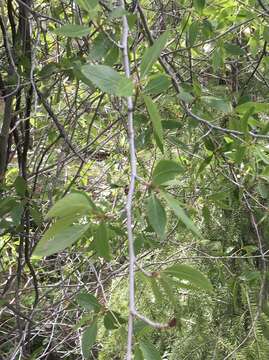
point(190, 274)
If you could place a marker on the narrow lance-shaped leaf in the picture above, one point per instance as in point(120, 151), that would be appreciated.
point(152, 53)
point(156, 215)
point(72, 30)
point(257, 107)
point(188, 273)
point(180, 213)
point(156, 121)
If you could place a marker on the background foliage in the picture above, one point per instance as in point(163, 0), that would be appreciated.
point(189, 80)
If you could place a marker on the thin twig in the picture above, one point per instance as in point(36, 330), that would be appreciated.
point(129, 202)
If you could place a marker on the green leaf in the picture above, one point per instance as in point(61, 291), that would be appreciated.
point(7, 204)
point(20, 185)
point(88, 301)
point(193, 33)
point(155, 289)
point(233, 49)
point(264, 326)
point(101, 241)
point(207, 28)
point(204, 164)
point(3, 302)
point(100, 46)
point(113, 320)
point(48, 69)
point(167, 284)
point(175, 206)
point(149, 351)
point(258, 107)
point(188, 273)
point(88, 339)
point(71, 204)
point(156, 215)
point(266, 33)
point(85, 319)
point(55, 241)
point(117, 12)
point(156, 121)
point(108, 80)
point(140, 327)
point(171, 124)
point(16, 214)
point(157, 84)
point(112, 55)
point(72, 30)
point(152, 53)
point(218, 104)
point(262, 155)
point(166, 170)
point(263, 190)
point(245, 118)
point(185, 96)
point(217, 59)
point(199, 5)
point(138, 354)
point(88, 5)
point(36, 214)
